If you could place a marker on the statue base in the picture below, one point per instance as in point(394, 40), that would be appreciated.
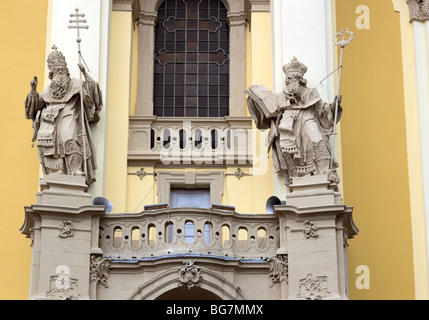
point(64, 190)
point(310, 191)
point(317, 226)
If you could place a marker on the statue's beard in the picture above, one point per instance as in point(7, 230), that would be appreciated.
point(294, 90)
point(59, 85)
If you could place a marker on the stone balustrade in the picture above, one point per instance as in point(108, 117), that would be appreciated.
point(175, 231)
point(201, 141)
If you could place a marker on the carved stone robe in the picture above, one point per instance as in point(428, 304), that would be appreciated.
point(299, 131)
point(57, 127)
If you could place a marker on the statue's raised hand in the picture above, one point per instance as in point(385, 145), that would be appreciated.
point(33, 84)
point(338, 99)
point(81, 67)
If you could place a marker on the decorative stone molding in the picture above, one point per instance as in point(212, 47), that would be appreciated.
point(310, 230)
point(190, 180)
point(419, 10)
point(66, 229)
point(99, 269)
point(141, 173)
point(147, 18)
point(189, 275)
point(313, 288)
point(215, 281)
point(256, 6)
point(279, 269)
point(239, 173)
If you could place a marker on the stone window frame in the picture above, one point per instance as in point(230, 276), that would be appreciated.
point(147, 18)
point(213, 180)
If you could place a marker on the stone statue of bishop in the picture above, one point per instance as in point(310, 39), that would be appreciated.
point(57, 119)
point(300, 125)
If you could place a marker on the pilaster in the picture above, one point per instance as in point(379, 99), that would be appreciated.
point(237, 34)
point(146, 23)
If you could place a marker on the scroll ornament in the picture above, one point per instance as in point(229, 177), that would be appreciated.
point(66, 229)
point(189, 275)
point(99, 269)
point(310, 230)
point(279, 269)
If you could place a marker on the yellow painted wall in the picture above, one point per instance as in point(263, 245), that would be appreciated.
point(119, 95)
point(259, 71)
point(23, 25)
point(374, 151)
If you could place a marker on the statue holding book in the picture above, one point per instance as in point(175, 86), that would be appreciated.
point(300, 125)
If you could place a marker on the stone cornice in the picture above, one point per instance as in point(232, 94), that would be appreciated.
point(127, 5)
point(258, 5)
point(419, 10)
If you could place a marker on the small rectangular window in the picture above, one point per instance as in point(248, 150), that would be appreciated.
point(195, 198)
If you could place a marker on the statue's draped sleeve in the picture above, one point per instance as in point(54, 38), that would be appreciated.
point(326, 115)
point(33, 103)
point(92, 99)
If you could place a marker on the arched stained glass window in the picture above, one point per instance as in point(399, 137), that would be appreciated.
point(191, 74)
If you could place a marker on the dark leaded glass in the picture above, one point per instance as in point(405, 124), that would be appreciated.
point(191, 73)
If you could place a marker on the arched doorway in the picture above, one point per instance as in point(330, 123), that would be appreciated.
point(183, 293)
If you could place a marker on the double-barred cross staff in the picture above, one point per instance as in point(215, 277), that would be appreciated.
point(77, 23)
point(343, 42)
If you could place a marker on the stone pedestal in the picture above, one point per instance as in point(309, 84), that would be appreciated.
point(63, 226)
point(314, 228)
point(59, 189)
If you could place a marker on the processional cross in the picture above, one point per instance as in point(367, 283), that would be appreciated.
point(75, 24)
point(343, 42)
